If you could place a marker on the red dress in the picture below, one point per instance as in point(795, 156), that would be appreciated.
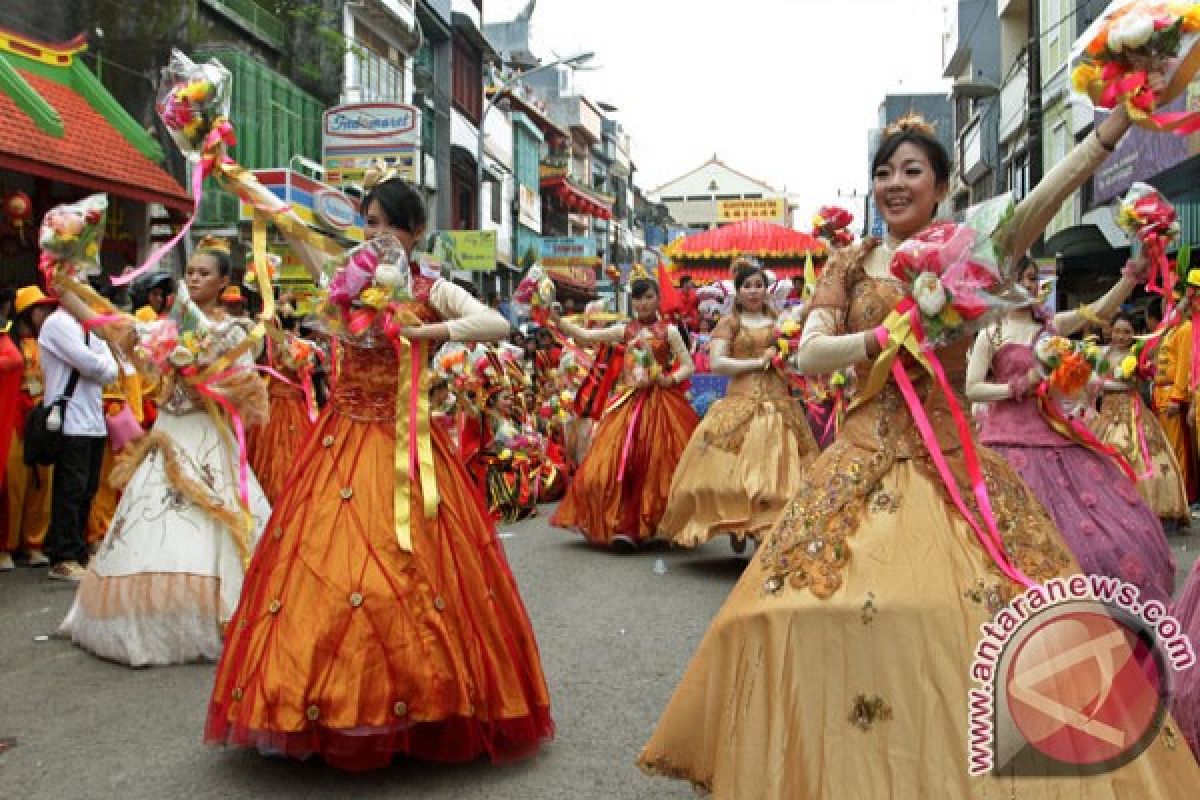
point(347, 646)
point(621, 488)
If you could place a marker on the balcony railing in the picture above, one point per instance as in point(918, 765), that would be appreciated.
point(254, 19)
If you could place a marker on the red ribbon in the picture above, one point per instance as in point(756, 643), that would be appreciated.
point(1077, 431)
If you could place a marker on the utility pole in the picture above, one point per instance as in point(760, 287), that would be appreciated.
point(1033, 137)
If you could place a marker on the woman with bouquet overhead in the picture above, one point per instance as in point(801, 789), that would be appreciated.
point(167, 577)
point(748, 456)
point(840, 665)
point(618, 495)
point(1129, 427)
point(1040, 391)
point(380, 616)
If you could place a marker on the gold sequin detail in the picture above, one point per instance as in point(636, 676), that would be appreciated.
point(356, 600)
point(400, 709)
point(312, 712)
point(347, 493)
point(275, 606)
point(328, 440)
point(869, 610)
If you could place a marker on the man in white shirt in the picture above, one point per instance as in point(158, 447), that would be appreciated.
point(64, 348)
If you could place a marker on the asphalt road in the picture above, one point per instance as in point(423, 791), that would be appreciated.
point(615, 637)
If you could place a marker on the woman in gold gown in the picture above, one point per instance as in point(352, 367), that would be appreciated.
point(1126, 424)
point(748, 456)
point(839, 667)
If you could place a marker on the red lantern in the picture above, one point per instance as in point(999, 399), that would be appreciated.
point(18, 210)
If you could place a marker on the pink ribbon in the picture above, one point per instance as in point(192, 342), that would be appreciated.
point(100, 320)
point(633, 424)
point(1140, 432)
point(988, 533)
point(220, 134)
point(239, 429)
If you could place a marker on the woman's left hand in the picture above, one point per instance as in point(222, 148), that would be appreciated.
point(665, 381)
point(422, 333)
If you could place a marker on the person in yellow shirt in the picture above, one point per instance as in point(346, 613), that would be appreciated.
point(1173, 395)
point(26, 517)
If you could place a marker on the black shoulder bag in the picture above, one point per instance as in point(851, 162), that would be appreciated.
point(42, 445)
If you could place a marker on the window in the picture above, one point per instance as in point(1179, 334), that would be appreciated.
point(379, 79)
point(498, 202)
point(468, 79)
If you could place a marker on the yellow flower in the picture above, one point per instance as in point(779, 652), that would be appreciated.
point(950, 317)
point(838, 379)
point(90, 251)
point(1128, 366)
point(505, 455)
point(375, 297)
point(1091, 351)
point(1083, 76)
point(1189, 13)
point(190, 341)
point(818, 221)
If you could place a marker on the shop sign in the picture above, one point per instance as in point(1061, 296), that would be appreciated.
point(771, 209)
point(473, 251)
point(569, 251)
point(357, 135)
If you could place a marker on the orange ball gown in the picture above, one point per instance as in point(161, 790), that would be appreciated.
point(350, 647)
point(273, 447)
point(622, 486)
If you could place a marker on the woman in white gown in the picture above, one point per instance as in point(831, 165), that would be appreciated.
point(169, 572)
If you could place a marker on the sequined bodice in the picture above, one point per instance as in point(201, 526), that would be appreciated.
point(752, 343)
point(1016, 422)
point(368, 373)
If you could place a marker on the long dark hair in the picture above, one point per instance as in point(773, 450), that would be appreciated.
point(400, 202)
point(643, 286)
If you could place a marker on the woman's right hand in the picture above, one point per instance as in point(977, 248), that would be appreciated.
point(769, 356)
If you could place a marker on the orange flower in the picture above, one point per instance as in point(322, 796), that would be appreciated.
point(1072, 374)
point(1099, 44)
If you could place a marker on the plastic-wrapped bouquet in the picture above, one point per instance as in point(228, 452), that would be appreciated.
point(643, 368)
point(534, 295)
point(193, 101)
point(71, 234)
point(368, 282)
point(832, 223)
point(1071, 366)
point(1148, 218)
point(1133, 39)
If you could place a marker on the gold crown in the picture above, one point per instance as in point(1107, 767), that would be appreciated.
point(214, 244)
point(911, 122)
point(741, 262)
point(379, 172)
point(638, 273)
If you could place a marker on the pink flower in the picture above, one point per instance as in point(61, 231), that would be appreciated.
point(160, 340)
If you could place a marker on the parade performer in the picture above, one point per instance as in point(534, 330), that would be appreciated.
point(748, 455)
point(1096, 506)
point(273, 446)
point(27, 488)
point(380, 616)
point(619, 493)
point(839, 667)
point(168, 574)
point(1172, 396)
point(12, 368)
point(125, 414)
point(1125, 424)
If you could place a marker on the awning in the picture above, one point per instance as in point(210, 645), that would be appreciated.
point(750, 238)
point(58, 122)
point(581, 279)
point(574, 199)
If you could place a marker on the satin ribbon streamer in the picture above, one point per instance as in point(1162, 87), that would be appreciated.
point(902, 331)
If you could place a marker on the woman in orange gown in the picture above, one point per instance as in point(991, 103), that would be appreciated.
point(363, 633)
point(273, 447)
point(619, 494)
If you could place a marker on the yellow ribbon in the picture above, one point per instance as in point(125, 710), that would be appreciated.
point(408, 395)
point(900, 336)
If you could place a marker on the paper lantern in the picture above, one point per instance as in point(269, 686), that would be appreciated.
point(18, 210)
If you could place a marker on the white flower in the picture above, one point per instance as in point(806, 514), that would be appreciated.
point(181, 356)
point(390, 276)
point(1045, 350)
point(1131, 31)
point(929, 294)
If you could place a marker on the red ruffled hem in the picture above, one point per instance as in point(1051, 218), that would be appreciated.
point(454, 740)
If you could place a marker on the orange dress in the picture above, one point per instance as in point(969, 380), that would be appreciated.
point(347, 646)
point(272, 448)
point(643, 430)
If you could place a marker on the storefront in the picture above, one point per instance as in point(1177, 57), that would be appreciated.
point(62, 137)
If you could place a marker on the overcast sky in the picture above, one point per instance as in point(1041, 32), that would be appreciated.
point(783, 90)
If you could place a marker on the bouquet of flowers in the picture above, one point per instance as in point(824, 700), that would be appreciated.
point(949, 284)
point(1070, 366)
point(368, 283)
point(193, 100)
point(643, 368)
point(1147, 217)
point(787, 336)
point(165, 349)
point(832, 223)
point(534, 295)
point(1131, 367)
point(70, 236)
point(1132, 39)
point(250, 279)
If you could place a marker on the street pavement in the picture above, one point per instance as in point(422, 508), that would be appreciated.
point(615, 635)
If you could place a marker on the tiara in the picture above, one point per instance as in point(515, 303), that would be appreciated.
point(214, 244)
point(379, 172)
point(740, 263)
point(638, 273)
point(911, 122)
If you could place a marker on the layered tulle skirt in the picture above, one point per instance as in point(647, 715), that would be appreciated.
point(168, 573)
point(622, 486)
point(1185, 697)
point(840, 665)
point(1125, 424)
point(348, 647)
point(746, 459)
